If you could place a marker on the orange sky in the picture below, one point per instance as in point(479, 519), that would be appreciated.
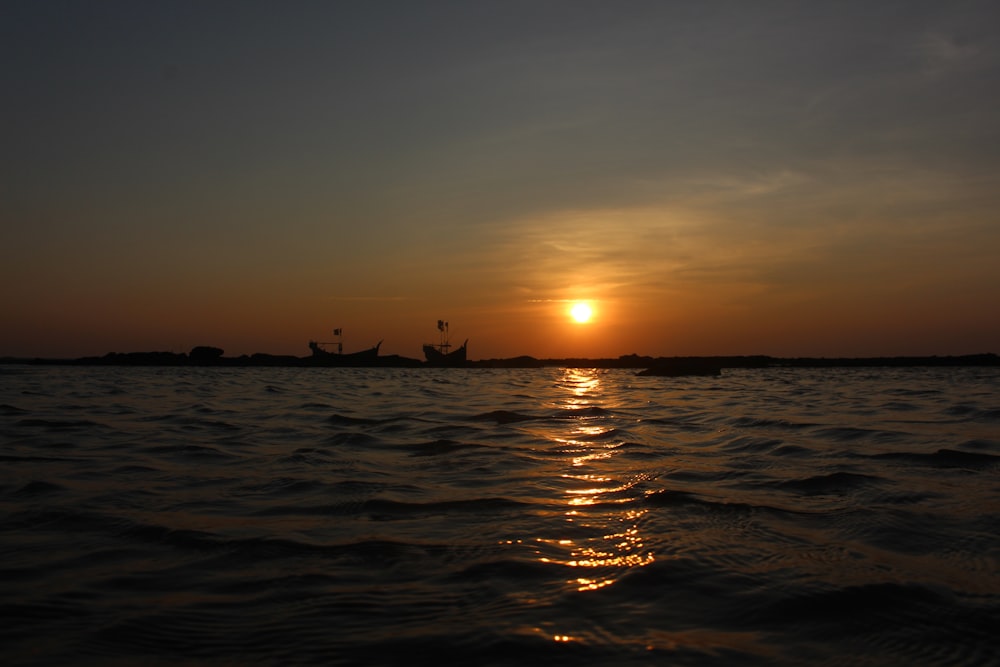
point(713, 178)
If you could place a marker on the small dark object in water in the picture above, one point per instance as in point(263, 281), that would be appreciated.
point(680, 367)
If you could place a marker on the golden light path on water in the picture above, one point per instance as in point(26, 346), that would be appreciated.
point(620, 545)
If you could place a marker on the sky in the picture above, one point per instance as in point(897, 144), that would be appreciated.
point(712, 178)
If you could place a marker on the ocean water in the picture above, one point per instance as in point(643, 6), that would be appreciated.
point(499, 517)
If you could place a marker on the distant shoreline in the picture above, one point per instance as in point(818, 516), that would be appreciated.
point(630, 361)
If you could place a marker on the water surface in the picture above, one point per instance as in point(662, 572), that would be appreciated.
point(494, 517)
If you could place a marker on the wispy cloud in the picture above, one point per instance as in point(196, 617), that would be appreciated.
point(944, 53)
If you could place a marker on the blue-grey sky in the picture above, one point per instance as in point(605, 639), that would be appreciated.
point(713, 177)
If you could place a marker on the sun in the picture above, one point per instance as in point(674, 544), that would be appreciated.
point(581, 312)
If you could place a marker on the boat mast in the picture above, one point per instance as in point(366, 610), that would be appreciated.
point(339, 335)
point(443, 345)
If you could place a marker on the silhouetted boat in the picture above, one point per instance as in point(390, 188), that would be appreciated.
point(324, 356)
point(454, 358)
point(441, 354)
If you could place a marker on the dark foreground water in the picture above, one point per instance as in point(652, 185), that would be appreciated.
point(499, 517)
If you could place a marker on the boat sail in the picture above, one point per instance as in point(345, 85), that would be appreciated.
point(441, 354)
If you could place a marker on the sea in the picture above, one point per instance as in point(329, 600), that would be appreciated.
point(552, 516)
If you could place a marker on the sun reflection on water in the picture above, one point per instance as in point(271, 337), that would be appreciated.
point(594, 494)
point(582, 384)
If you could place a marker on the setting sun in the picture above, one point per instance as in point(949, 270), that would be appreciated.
point(581, 312)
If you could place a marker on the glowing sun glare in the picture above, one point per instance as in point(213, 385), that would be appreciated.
point(580, 312)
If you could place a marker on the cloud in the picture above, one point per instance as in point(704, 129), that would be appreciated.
point(944, 53)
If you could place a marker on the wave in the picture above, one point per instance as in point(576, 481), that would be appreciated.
point(440, 447)
point(764, 422)
point(851, 434)
point(861, 604)
point(14, 458)
point(385, 506)
point(354, 439)
point(944, 458)
point(280, 487)
point(890, 622)
point(512, 417)
point(190, 451)
point(344, 420)
point(671, 498)
point(834, 483)
point(38, 488)
point(503, 417)
point(969, 412)
point(748, 444)
point(576, 413)
point(59, 424)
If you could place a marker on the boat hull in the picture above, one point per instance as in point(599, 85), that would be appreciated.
point(436, 357)
point(321, 357)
